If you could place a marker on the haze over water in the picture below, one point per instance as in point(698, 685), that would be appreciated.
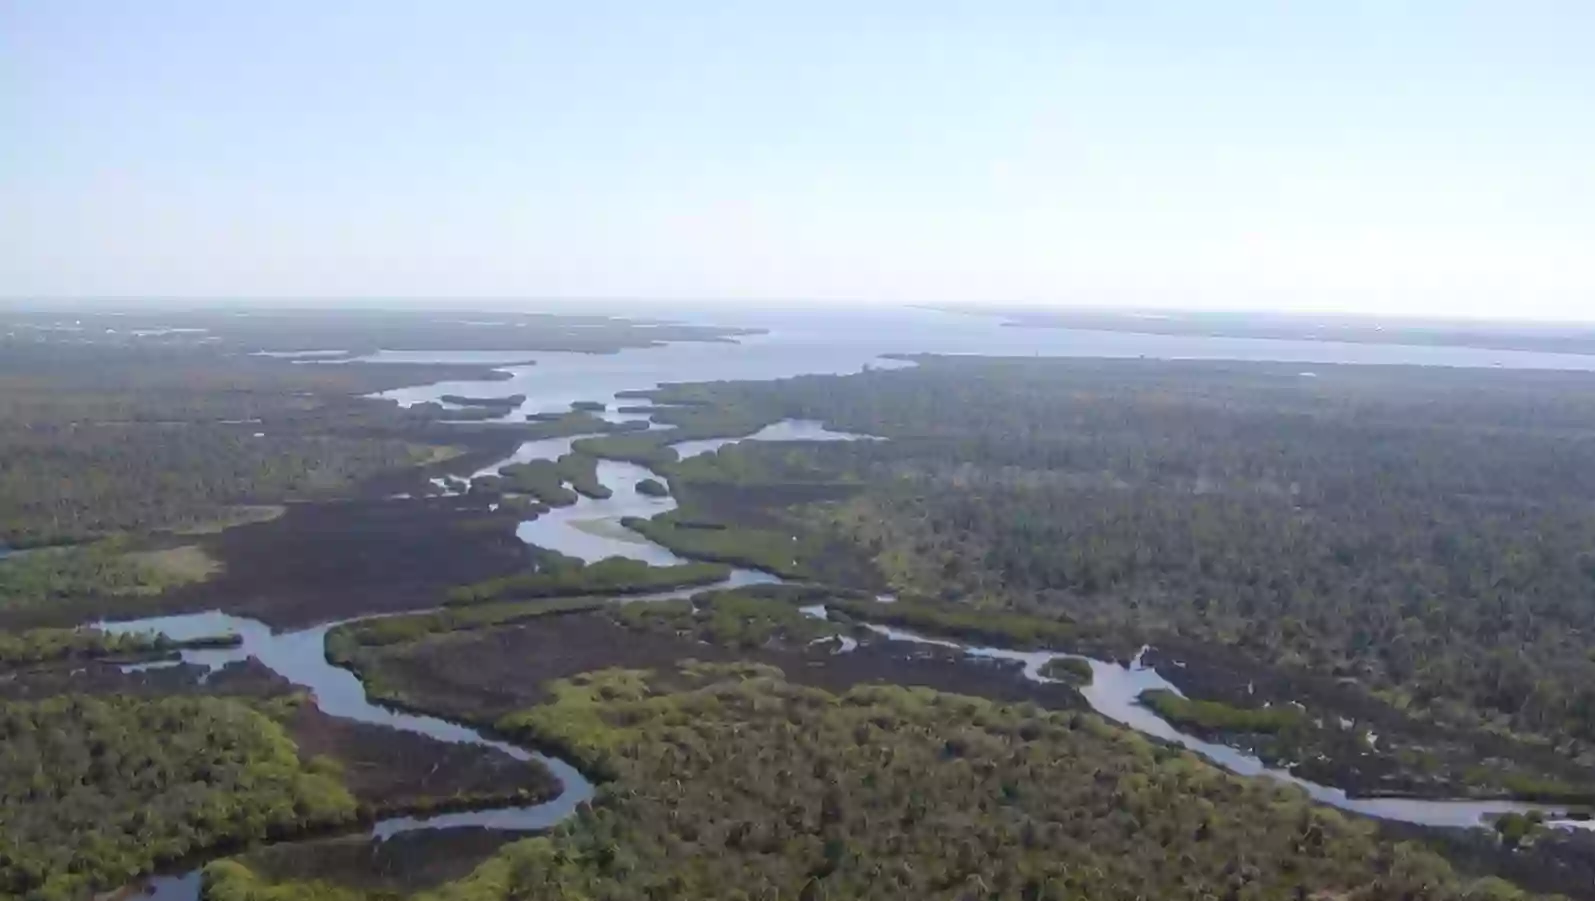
point(839, 342)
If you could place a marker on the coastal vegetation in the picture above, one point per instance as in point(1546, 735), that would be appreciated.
point(90, 482)
point(352, 333)
point(94, 791)
point(106, 426)
point(425, 669)
point(498, 404)
point(558, 576)
point(644, 450)
point(1072, 670)
point(772, 550)
point(58, 576)
point(344, 640)
point(1002, 628)
point(729, 781)
point(541, 479)
point(576, 422)
point(1416, 535)
point(98, 439)
point(546, 480)
point(581, 471)
point(731, 619)
point(1381, 578)
point(1212, 716)
point(32, 646)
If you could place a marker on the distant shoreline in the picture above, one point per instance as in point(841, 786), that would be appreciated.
point(1566, 338)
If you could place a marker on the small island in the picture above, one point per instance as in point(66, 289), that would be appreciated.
point(589, 406)
point(460, 400)
point(1073, 670)
point(653, 488)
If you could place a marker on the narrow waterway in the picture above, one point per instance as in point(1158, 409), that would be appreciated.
point(301, 658)
point(590, 529)
point(1115, 692)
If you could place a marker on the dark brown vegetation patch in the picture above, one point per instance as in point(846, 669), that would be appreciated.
point(481, 675)
point(332, 561)
point(405, 863)
point(386, 769)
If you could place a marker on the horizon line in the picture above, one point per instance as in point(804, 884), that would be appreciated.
point(970, 307)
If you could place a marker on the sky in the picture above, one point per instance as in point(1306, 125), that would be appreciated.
point(1432, 157)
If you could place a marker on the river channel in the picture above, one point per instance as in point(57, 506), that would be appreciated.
point(590, 529)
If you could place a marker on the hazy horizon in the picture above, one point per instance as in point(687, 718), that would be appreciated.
point(666, 308)
point(1423, 161)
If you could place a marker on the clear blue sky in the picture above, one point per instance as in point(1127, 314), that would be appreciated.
point(1386, 156)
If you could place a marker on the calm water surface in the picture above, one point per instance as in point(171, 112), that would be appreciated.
point(842, 342)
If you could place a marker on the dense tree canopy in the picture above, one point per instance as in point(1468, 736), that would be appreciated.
point(732, 783)
point(102, 439)
point(95, 791)
point(1426, 533)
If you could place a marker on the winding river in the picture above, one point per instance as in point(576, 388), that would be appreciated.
point(1115, 692)
point(590, 529)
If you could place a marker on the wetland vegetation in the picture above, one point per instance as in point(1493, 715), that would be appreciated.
point(59, 576)
point(565, 576)
point(653, 488)
point(32, 646)
point(1068, 669)
point(98, 790)
point(1409, 545)
point(728, 781)
point(1379, 577)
